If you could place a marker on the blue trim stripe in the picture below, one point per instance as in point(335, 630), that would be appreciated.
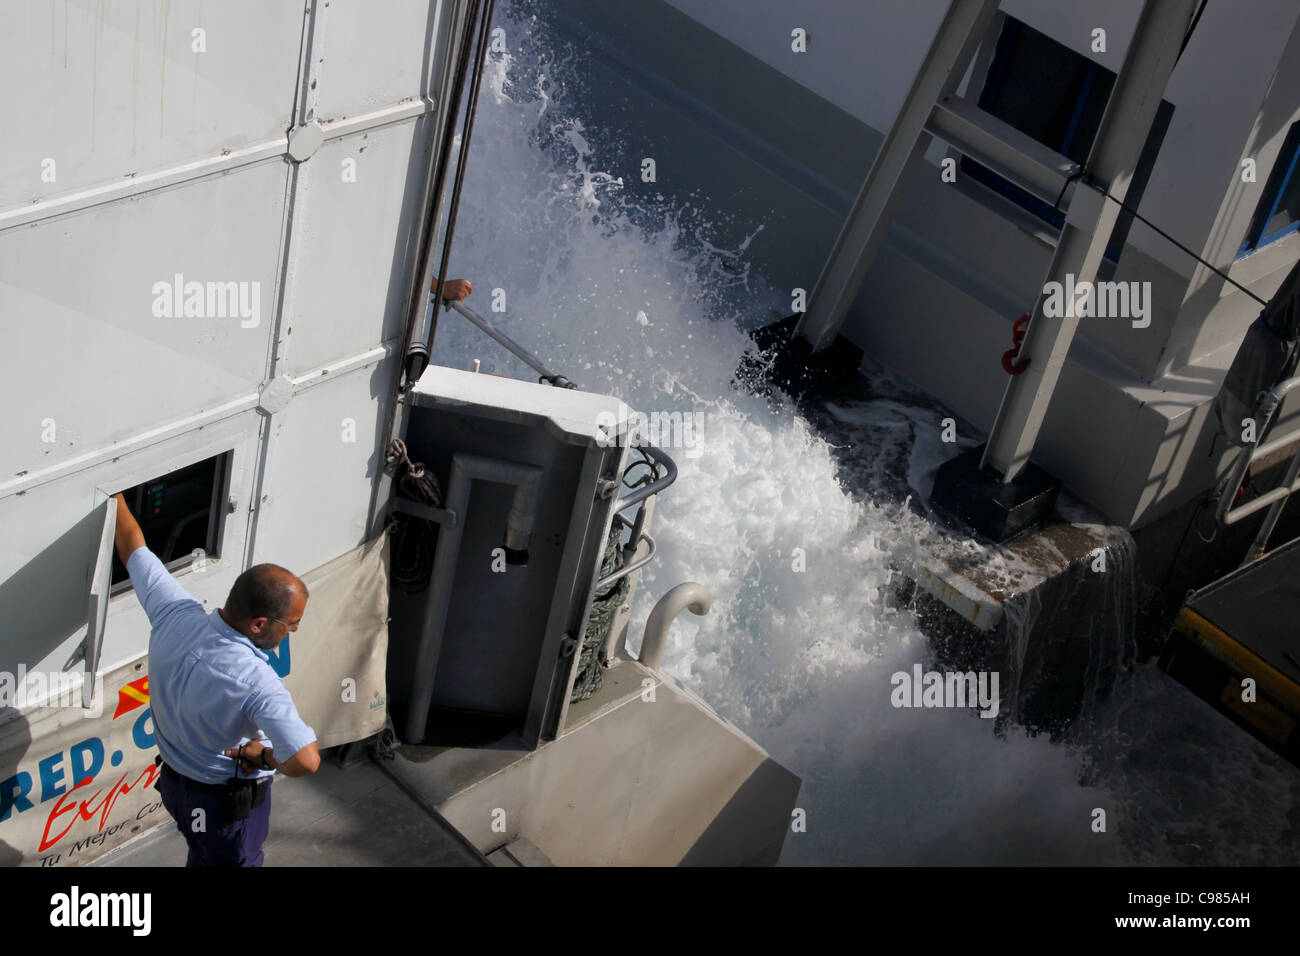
point(1273, 193)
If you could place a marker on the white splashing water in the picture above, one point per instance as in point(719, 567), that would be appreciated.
point(616, 291)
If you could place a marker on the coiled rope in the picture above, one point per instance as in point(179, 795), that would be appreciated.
point(604, 605)
point(411, 554)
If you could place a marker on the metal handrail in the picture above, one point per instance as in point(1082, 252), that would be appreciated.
point(654, 487)
point(1248, 455)
point(631, 566)
point(638, 526)
point(513, 347)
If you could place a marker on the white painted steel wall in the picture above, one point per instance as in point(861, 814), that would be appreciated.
point(1128, 424)
point(168, 159)
point(145, 140)
point(863, 54)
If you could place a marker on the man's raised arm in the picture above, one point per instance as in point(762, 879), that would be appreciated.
point(128, 537)
point(154, 585)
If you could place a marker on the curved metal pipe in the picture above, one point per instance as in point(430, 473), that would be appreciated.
point(688, 594)
point(177, 529)
point(654, 487)
point(523, 506)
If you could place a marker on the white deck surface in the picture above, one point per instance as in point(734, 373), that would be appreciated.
point(337, 817)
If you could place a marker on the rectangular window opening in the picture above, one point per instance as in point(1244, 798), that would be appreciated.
point(1278, 212)
point(1057, 96)
point(181, 513)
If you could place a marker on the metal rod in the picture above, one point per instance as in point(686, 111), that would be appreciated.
point(1224, 511)
point(515, 349)
point(441, 144)
point(419, 509)
point(1013, 155)
point(467, 131)
point(631, 566)
point(1270, 520)
point(451, 75)
point(1256, 504)
point(638, 525)
point(1274, 445)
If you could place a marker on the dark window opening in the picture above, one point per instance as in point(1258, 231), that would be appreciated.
point(180, 513)
point(1049, 92)
point(1278, 212)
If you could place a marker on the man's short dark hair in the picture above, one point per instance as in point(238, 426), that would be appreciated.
point(264, 590)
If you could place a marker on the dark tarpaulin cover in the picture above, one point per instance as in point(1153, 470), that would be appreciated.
point(1267, 356)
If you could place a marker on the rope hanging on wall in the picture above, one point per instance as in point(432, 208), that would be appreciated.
point(411, 554)
point(604, 605)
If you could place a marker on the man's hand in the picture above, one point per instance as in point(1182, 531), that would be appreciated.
point(453, 290)
point(305, 761)
point(251, 760)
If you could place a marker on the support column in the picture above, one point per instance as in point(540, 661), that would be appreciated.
point(864, 229)
point(1124, 128)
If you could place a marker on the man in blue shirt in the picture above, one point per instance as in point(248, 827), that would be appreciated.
point(220, 712)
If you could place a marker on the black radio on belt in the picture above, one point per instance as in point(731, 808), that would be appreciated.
point(239, 796)
point(239, 801)
point(242, 796)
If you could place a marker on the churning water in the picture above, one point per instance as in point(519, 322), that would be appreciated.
point(622, 290)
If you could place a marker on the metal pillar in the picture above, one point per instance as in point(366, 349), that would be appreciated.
point(1125, 125)
point(864, 229)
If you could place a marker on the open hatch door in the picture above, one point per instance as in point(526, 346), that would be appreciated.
point(101, 572)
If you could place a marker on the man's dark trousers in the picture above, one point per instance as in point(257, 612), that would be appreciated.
point(222, 842)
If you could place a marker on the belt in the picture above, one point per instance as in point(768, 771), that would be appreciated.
point(252, 783)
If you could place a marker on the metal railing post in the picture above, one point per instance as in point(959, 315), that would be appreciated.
point(1249, 454)
point(688, 594)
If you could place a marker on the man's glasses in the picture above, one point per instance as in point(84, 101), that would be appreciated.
point(292, 627)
